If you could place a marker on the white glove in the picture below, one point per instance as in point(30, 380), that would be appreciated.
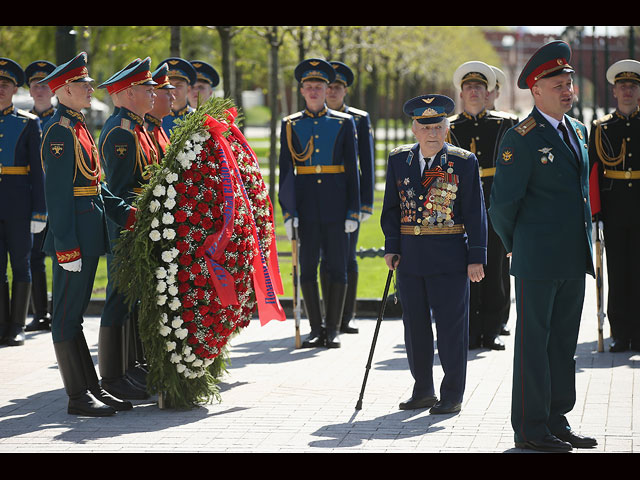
point(37, 227)
point(289, 225)
point(364, 216)
point(74, 266)
point(350, 226)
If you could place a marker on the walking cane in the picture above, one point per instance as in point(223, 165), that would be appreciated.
point(296, 285)
point(375, 335)
point(599, 287)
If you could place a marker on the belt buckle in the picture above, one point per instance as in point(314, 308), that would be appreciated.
point(318, 168)
point(627, 174)
point(416, 230)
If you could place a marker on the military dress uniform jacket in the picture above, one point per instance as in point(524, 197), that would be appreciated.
point(437, 229)
point(169, 121)
point(614, 144)
point(78, 202)
point(481, 134)
point(21, 176)
point(319, 182)
point(540, 201)
point(157, 134)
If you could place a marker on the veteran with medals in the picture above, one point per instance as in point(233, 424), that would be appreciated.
point(434, 219)
point(480, 131)
point(540, 209)
point(78, 205)
point(614, 151)
point(320, 196)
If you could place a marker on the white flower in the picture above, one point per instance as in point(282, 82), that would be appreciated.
point(164, 318)
point(174, 304)
point(170, 178)
point(181, 368)
point(167, 218)
point(173, 269)
point(197, 363)
point(167, 256)
point(176, 322)
point(161, 299)
point(161, 287)
point(171, 192)
point(207, 362)
point(171, 346)
point(159, 190)
point(161, 273)
point(165, 330)
point(154, 223)
point(155, 235)
point(169, 233)
point(190, 358)
point(169, 203)
point(154, 206)
point(181, 333)
point(186, 350)
point(174, 252)
point(175, 358)
point(173, 290)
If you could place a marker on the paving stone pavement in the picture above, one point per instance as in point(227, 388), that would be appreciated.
point(278, 399)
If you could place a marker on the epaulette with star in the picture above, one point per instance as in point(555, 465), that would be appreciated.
point(525, 126)
point(401, 148)
point(460, 152)
point(293, 116)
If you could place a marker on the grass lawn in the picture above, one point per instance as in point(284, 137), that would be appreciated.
point(373, 270)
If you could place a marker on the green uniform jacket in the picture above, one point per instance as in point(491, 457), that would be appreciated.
point(540, 201)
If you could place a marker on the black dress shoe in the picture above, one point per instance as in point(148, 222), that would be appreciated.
point(619, 346)
point(314, 340)
point(577, 440)
point(420, 402)
point(505, 330)
point(494, 344)
point(443, 407)
point(550, 443)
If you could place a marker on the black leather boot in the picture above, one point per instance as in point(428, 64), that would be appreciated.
point(350, 303)
point(20, 295)
point(5, 312)
point(111, 362)
point(337, 295)
point(136, 362)
point(91, 378)
point(39, 303)
point(81, 400)
point(311, 297)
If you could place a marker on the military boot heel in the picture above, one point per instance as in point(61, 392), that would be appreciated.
point(39, 303)
point(111, 362)
point(20, 295)
point(337, 295)
point(311, 297)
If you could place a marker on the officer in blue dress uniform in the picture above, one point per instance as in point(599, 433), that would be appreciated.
point(433, 218)
point(336, 94)
point(614, 151)
point(43, 108)
point(161, 108)
point(126, 149)
point(207, 79)
point(320, 196)
point(183, 77)
point(540, 209)
point(480, 131)
point(22, 205)
point(77, 235)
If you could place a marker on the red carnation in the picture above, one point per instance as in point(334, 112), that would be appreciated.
point(207, 223)
point(188, 316)
point(200, 280)
point(183, 276)
point(193, 191)
point(180, 216)
point(180, 187)
point(194, 218)
point(203, 208)
point(197, 236)
point(183, 230)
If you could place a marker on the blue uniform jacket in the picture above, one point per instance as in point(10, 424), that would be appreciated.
point(320, 197)
point(22, 194)
point(540, 201)
point(456, 199)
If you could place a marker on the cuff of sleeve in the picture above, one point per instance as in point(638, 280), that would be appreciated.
point(477, 255)
point(392, 245)
point(131, 220)
point(39, 217)
point(353, 215)
point(366, 208)
point(68, 255)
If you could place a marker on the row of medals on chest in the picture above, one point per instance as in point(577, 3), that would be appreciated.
point(437, 209)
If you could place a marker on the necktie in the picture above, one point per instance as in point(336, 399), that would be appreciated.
point(565, 135)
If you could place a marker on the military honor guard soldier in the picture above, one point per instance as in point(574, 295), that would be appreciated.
point(336, 93)
point(78, 205)
point(540, 209)
point(434, 219)
point(23, 210)
point(126, 149)
point(44, 109)
point(161, 108)
point(613, 150)
point(183, 77)
point(207, 79)
point(480, 131)
point(320, 196)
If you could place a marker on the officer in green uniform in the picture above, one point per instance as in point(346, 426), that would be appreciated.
point(614, 150)
point(78, 204)
point(207, 79)
point(540, 209)
point(43, 108)
point(22, 203)
point(126, 149)
point(480, 131)
point(183, 77)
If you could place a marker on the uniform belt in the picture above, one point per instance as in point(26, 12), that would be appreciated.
point(320, 169)
point(87, 191)
point(487, 172)
point(622, 175)
point(431, 229)
point(15, 170)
